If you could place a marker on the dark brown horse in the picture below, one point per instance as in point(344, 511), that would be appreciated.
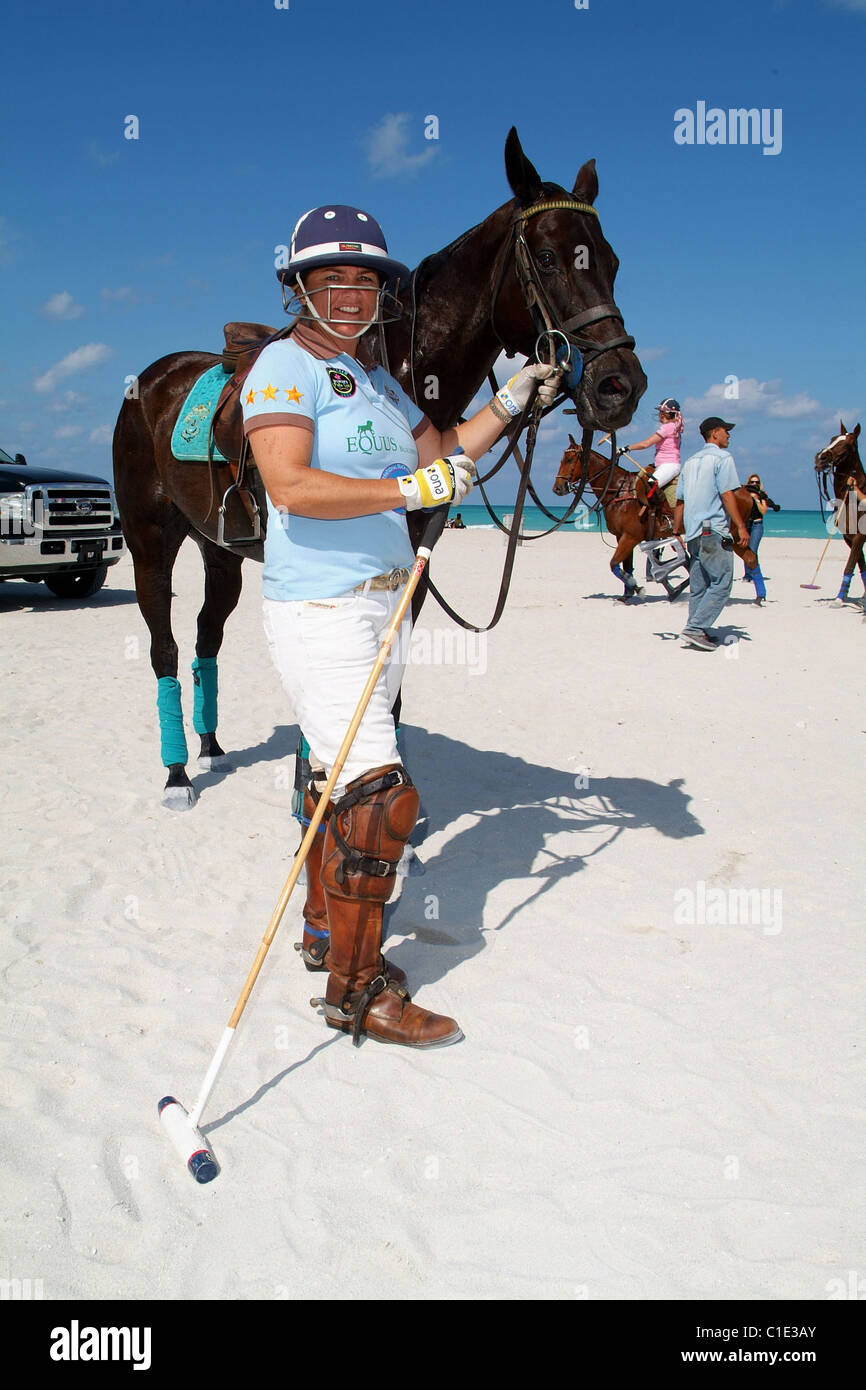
point(841, 458)
point(537, 262)
point(614, 488)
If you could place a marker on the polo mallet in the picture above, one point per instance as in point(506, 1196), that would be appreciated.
point(813, 585)
point(182, 1127)
point(641, 468)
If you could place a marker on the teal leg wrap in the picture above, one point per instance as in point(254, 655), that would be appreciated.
point(204, 698)
point(303, 774)
point(172, 738)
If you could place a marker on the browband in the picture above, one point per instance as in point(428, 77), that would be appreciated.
point(555, 204)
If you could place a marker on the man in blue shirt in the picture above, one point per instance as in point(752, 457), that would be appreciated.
point(706, 511)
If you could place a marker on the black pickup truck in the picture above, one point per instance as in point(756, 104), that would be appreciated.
point(62, 528)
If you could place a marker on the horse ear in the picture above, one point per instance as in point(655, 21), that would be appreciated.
point(521, 173)
point(856, 431)
point(573, 440)
point(586, 183)
point(842, 429)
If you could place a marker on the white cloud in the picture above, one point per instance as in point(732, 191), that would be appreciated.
point(387, 148)
point(651, 354)
point(121, 295)
point(103, 434)
point(68, 432)
point(750, 396)
point(794, 407)
point(62, 306)
point(858, 5)
point(70, 400)
point(90, 355)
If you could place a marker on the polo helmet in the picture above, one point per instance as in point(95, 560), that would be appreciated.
point(335, 234)
point(338, 235)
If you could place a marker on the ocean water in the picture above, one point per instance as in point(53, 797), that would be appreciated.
point(799, 524)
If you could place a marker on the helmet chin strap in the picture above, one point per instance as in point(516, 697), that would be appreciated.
point(325, 323)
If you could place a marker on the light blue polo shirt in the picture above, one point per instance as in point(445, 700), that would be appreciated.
point(362, 428)
point(703, 478)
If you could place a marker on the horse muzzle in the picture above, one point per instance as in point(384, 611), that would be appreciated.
point(609, 390)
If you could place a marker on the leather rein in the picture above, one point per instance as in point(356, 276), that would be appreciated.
point(549, 330)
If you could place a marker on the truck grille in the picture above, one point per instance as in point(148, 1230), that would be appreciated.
point(71, 506)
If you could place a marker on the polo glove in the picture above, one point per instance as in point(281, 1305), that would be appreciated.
point(444, 480)
point(519, 390)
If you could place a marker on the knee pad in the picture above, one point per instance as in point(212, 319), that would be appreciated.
point(366, 834)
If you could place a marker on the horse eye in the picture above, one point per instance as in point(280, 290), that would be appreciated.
point(546, 260)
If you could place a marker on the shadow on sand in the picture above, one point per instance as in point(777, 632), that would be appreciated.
point(515, 807)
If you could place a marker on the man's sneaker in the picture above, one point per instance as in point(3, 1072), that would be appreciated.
point(700, 640)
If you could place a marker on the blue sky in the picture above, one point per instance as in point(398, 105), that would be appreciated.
point(734, 263)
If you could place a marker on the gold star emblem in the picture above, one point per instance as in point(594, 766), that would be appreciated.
point(269, 393)
point(294, 395)
point(251, 396)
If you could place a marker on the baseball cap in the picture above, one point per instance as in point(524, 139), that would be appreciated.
point(714, 422)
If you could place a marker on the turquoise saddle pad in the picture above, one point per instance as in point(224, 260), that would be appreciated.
point(190, 434)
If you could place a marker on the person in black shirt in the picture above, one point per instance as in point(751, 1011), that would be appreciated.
point(760, 503)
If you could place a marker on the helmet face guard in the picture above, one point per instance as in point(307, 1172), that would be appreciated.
point(338, 235)
point(669, 407)
point(300, 306)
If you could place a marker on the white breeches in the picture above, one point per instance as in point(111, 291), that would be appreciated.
point(324, 651)
point(665, 473)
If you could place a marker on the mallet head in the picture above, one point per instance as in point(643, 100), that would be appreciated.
point(189, 1142)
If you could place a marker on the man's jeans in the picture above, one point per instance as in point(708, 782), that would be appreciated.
point(711, 576)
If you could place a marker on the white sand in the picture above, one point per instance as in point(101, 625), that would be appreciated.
point(644, 1106)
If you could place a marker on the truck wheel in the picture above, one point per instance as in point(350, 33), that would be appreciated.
point(77, 585)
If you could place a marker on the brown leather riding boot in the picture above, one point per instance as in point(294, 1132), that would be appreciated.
point(316, 939)
point(363, 844)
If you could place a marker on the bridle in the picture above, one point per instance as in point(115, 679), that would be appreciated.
point(840, 461)
point(623, 491)
point(548, 330)
point(530, 278)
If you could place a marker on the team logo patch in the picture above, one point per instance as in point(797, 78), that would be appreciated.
point(392, 395)
point(192, 421)
point(342, 383)
point(350, 246)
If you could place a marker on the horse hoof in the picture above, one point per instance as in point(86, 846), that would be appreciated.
point(178, 798)
point(216, 762)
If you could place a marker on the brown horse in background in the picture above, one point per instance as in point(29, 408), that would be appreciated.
point(496, 287)
point(841, 457)
point(614, 488)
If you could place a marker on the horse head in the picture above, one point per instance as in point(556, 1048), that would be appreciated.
point(569, 469)
point(841, 458)
point(565, 276)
